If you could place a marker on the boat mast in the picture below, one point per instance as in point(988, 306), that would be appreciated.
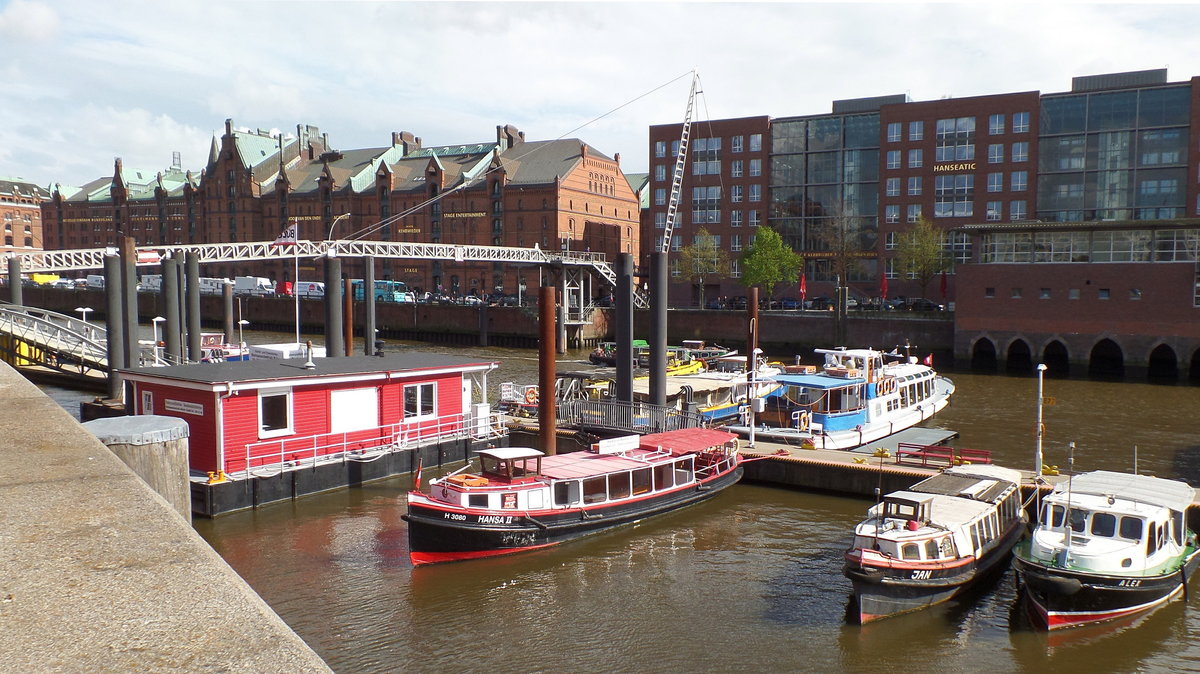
point(680, 166)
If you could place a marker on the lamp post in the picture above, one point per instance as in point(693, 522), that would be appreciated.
point(520, 289)
point(156, 320)
point(83, 311)
point(329, 235)
point(1040, 430)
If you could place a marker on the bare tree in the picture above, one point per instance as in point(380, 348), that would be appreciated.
point(920, 253)
point(702, 261)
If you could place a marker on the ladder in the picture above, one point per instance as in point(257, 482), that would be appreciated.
point(680, 167)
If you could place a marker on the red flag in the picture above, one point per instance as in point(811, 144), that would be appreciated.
point(929, 360)
point(803, 287)
point(417, 474)
point(943, 285)
point(883, 287)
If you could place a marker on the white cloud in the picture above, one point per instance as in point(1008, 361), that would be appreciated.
point(140, 79)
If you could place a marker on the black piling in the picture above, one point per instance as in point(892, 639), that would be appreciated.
point(368, 305)
point(129, 307)
point(227, 294)
point(192, 274)
point(658, 328)
point(115, 325)
point(170, 296)
point(14, 281)
point(623, 301)
point(333, 307)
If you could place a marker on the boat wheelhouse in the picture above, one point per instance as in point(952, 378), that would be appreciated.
point(1107, 545)
point(858, 397)
point(924, 545)
point(265, 430)
point(517, 499)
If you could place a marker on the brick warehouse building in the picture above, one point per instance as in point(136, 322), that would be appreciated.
point(1041, 198)
point(560, 195)
point(21, 211)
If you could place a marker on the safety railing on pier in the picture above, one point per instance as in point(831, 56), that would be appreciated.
point(614, 415)
point(269, 457)
point(938, 456)
point(63, 342)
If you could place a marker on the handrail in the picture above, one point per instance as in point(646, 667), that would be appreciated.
point(57, 332)
point(910, 453)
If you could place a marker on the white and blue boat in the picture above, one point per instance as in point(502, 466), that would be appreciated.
point(858, 397)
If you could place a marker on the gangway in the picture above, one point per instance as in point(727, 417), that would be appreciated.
point(33, 336)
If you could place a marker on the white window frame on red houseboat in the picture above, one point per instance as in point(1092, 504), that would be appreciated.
point(263, 432)
point(418, 414)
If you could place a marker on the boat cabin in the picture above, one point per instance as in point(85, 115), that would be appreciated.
point(260, 417)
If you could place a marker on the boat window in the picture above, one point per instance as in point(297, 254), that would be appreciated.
point(904, 511)
point(975, 535)
point(1054, 515)
point(595, 490)
point(1177, 521)
point(1077, 519)
point(618, 485)
point(641, 481)
point(947, 547)
point(1131, 528)
point(477, 500)
point(663, 476)
point(683, 471)
point(1152, 539)
point(911, 551)
point(566, 493)
point(1104, 524)
point(931, 549)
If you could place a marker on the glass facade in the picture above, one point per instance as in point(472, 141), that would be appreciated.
point(1114, 155)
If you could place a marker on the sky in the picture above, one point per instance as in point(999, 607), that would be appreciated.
point(85, 82)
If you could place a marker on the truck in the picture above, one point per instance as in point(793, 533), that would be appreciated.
point(212, 286)
point(152, 282)
point(95, 281)
point(309, 289)
point(256, 286)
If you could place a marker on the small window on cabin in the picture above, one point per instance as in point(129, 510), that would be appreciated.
point(477, 500)
point(1104, 524)
point(1077, 519)
point(1152, 539)
point(683, 471)
point(911, 551)
point(1055, 515)
point(1177, 529)
point(419, 400)
point(931, 549)
point(642, 481)
point(618, 485)
point(663, 477)
point(566, 493)
point(595, 490)
point(274, 414)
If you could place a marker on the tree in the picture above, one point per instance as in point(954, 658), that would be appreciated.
point(768, 262)
point(702, 260)
point(920, 254)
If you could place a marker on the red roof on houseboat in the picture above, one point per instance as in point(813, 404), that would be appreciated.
point(686, 440)
point(282, 370)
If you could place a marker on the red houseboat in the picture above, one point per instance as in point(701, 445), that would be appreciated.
point(267, 430)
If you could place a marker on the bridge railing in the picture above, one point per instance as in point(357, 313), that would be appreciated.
point(615, 415)
point(56, 333)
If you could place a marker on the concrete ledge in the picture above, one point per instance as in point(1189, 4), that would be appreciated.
point(98, 573)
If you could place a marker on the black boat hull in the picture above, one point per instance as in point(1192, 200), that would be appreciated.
point(883, 592)
point(438, 535)
point(1059, 598)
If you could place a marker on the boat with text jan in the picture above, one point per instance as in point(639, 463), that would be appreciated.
point(859, 396)
point(1107, 545)
point(519, 499)
point(926, 544)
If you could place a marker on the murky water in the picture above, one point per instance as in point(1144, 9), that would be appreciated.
point(749, 581)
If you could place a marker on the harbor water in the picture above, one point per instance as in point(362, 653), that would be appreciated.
point(748, 581)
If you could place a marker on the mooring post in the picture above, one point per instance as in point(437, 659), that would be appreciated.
point(170, 296)
point(333, 306)
point(547, 412)
point(15, 292)
point(227, 295)
point(115, 325)
point(623, 301)
point(348, 315)
point(368, 305)
point(193, 304)
point(658, 328)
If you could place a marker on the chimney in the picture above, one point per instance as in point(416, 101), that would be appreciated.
point(228, 126)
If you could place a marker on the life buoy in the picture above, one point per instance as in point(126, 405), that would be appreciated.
point(802, 420)
point(531, 396)
point(886, 386)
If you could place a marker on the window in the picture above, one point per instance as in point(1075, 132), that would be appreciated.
point(274, 413)
point(955, 139)
point(893, 159)
point(756, 142)
point(660, 172)
point(660, 197)
point(642, 480)
point(1103, 294)
point(916, 130)
point(618, 485)
point(419, 400)
point(893, 187)
point(1073, 294)
point(893, 132)
point(989, 292)
point(916, 158)
point(567, 492)
point(735, 218)
point(660, 148)
point(914, 212)
point(735, 194)
point(755, 167)
point(891, 213)
point(756, 193)
point(995, 153)
point(735, 168)
point(735, 269)
point(1044, 294)
point(1015, 293)
point(1019, 181)
point(735, 242)
point(1020, 151)
point(995, 210)
point(996, 125)
point(1020, 122)
point(995, 182)
point(754, 218)
point(1131, 528)
point(1017, 210)
point(735, 144)
point(660, 220)
point(911, 551)
point(1135, 293)
point(595, 490)
point(914, 185)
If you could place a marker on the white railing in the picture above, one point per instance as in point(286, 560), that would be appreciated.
point(269, 457)
point(60, 334)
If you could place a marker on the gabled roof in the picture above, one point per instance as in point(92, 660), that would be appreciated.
point(541, 162)
point(286, 372)
point(17, 187)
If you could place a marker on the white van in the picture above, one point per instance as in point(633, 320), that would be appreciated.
point(95, 281)
point(253, 285)
point(212, 286)
point(309, 289)
point(152, 282)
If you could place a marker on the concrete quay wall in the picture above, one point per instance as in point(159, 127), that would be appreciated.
point(98, 573)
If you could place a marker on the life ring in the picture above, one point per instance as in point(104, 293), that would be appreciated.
point(802, 419)
point(886, 386)
point(531, 396)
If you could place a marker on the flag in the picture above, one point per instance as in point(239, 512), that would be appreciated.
point(883, 287)
point(803, 288)
point(287, 237)
point(943, 285)
point(417, 474)
point(929, 360)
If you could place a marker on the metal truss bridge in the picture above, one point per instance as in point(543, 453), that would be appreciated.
point(68, 345)
point(572, 262)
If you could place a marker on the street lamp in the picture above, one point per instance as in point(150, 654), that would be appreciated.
point(1041, 429)
point(83, 311)
point(242, 322)
point(156, 320)
point(333, 224)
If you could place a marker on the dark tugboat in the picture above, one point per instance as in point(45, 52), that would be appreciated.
point(924, 545)
point(1107, 545)
point(518, 499)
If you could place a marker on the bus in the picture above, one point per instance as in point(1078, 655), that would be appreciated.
point(386, 291)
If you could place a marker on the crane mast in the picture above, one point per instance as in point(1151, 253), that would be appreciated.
point(680, 167)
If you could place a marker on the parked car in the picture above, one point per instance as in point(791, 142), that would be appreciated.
point(739, 303)
point(819, 304)
point(922, 304)
point(789, 303)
